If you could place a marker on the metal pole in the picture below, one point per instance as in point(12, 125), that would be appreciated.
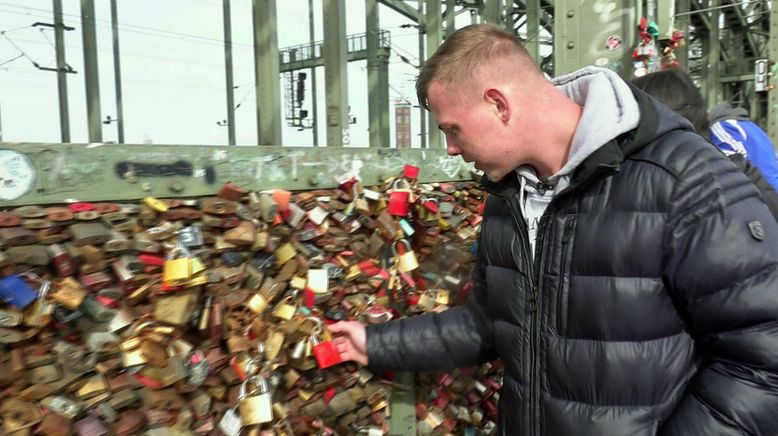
point(117, 72)
point(422, 111)
point(533, 29)
point(314, 94)
point(266, 72)
point(91, 74)
point(228, 72)
point(336, 73)
point(62, 81)
point(772, 96)
point(434, 38)
point(450, 16)
point(714, 59)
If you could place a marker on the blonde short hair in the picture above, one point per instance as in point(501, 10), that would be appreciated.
point(463, 55)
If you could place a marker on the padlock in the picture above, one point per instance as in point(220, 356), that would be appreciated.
point(285, 253)
point(62, 406)
point(285, 309)
point(91, 426)
point(399, 198)
point(62, 261)
point(407, 261)
point(176, 309)
point(89, 233)
point(318, 281)
point(39, 314)
point(258, 303)
point(178, 267)
point(230, 424)
point(326, 352)
point(256, 406)
point(10, 318)
point(16, 292)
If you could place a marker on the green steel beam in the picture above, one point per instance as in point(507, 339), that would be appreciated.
point(450, 15)
point(336, 73)
point(712, 67)
point(57, 173)
point(772, 96)
point(493, 12)
point(377, 80)
point(62, 67)
point(533, 29)
point(404, 9)
point(352, 56)
point(91, 71)
point(581, 31)
point(403, 419)
point(229, 88)
point(682, 24)
point(267, 72)
point(434, 39)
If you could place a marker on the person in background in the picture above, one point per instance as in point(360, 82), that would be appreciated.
point(626, 272)
point(734, 133)
point(675, 89)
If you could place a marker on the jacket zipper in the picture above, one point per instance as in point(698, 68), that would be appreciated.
point(533, 313)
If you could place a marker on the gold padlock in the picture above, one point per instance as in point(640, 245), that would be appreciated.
point(285, 253)
point(155, 204)
point(255, 407)
point(285, 310)
point(258, 303)
point(178, 268)
point(176, 309)
point(407, 261)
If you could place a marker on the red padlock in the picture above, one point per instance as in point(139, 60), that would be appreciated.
point(326, 353)
point(411, 172)
point(62, 261)
point(399, 199)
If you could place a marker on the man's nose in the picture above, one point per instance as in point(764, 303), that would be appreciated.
point(452, 149)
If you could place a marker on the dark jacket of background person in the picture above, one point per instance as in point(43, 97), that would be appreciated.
point(650, 307)
point(676, 90)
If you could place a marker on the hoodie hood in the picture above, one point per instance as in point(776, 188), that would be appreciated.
point(724, 111)
point(609, 110)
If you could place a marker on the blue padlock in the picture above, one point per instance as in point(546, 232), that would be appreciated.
point(16, 292)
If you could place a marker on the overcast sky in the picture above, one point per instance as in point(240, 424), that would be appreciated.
point(172, 66)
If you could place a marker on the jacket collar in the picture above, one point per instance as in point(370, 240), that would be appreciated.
point(605, 160)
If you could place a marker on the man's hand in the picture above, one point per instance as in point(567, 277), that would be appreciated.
point(350, 339)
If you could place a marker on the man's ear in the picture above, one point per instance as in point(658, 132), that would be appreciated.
point(497, 99)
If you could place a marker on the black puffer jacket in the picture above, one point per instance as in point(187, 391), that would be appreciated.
point(651, 307)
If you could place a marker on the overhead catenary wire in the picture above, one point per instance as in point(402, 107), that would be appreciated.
point(143, 30)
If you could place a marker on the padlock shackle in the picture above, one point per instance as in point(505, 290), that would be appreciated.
point(263, 387)
point(317, 329)
point(396, 181)
point(405, 243)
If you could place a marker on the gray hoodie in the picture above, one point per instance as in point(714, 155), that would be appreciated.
point(609, 109)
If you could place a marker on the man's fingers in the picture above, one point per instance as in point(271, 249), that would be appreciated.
point(342, 327)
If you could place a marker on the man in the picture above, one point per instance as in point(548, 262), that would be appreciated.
point(734, 133)
point(626, 273)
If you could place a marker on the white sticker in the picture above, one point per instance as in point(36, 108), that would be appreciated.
point(17, 175)
point(219, 154)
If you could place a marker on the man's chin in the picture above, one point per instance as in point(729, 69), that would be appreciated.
point(493, 177)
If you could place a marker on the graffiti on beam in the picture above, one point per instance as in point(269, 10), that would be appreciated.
point(61, 172)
